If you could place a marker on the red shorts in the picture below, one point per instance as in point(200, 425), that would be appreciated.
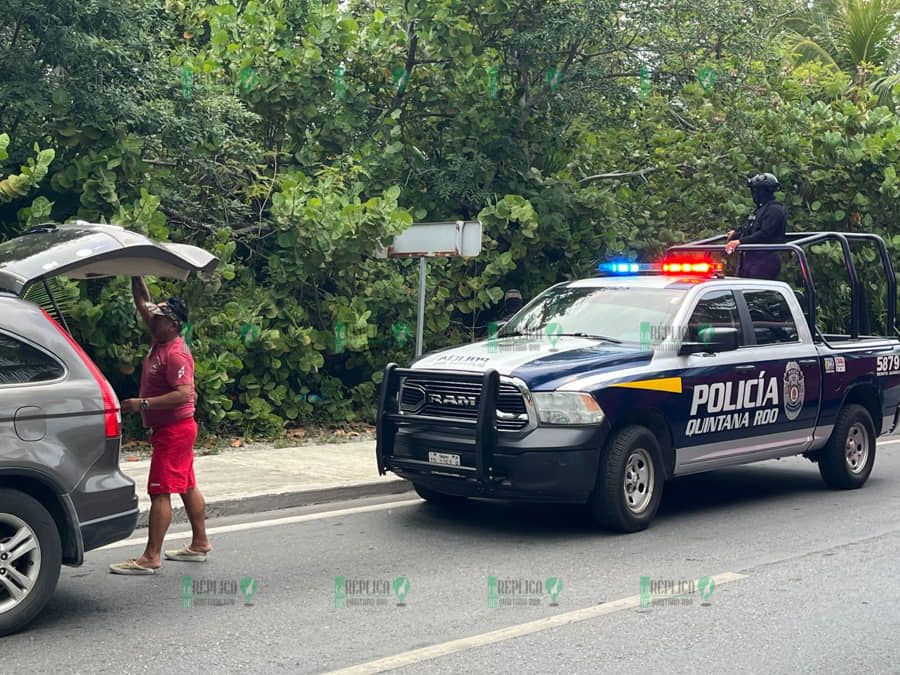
point(172, 463)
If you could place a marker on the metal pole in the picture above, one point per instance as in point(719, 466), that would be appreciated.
point(420, 324)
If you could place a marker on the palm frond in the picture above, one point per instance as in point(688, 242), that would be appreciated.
point(66, 294)
point(884, 87)
point(846, 33)
point(809, 50)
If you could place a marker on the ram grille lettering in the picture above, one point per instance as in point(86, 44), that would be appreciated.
point(457, 400)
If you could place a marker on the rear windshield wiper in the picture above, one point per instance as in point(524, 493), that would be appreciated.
point(592, 337)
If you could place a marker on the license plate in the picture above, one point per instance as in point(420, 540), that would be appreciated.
point(444, 458)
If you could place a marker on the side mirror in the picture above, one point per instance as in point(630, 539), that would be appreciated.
point(712, 340)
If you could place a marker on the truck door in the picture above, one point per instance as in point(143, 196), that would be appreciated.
point(778, 349)
point(756, 400)
point(711, 421)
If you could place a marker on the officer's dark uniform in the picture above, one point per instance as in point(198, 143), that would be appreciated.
point(766, 225)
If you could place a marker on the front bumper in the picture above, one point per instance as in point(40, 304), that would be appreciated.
point(557, 464)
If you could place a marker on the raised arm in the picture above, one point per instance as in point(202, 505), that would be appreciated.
point(141, 298)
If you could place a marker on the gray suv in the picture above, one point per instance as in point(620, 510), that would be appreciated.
point(61, 490)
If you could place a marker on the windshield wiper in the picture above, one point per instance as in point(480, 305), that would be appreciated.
point(592, 337)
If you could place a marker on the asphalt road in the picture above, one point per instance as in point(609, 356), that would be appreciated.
point(807, 581)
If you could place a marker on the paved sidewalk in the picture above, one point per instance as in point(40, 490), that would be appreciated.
point(247, 481)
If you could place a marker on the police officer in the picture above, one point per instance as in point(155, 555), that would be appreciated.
point(766, 225)
point(512, 303)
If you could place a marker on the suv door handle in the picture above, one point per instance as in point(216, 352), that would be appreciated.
point(808, 362)
point(744, 369)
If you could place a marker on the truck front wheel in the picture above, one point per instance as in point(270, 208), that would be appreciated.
point(847, 459)
point(629, 481)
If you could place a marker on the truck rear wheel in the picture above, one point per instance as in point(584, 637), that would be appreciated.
point(437, 498)
point(847, 460)
point(30, 557)
point(630, 481)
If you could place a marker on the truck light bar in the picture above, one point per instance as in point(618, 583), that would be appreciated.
point(673, 266)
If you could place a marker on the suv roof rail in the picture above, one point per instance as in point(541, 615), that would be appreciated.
point(43, 227)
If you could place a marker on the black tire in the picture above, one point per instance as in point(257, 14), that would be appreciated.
point(612, 504)
point(21, 507)
point(438, 498)
point(847, 459)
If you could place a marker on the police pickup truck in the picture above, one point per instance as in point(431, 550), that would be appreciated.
point(601, 389)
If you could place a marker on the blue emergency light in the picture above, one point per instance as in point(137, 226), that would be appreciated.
point(619, 267)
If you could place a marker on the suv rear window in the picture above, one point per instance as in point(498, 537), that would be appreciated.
point(21, 363)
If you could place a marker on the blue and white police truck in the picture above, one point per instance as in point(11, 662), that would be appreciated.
point(601, 389)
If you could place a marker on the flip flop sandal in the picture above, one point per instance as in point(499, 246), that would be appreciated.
point(131, 568)
point(186, 554)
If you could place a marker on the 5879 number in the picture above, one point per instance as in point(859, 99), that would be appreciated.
point(888, 364)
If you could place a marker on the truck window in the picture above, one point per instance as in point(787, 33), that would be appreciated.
point(716, 309)
point(629, 314)
point(771, 317)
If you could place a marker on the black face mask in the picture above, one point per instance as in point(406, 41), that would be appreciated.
point(762, 195)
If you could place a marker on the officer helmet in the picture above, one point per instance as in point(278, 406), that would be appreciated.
point(764, 180)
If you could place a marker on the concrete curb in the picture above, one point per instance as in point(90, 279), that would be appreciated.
point(286, 500)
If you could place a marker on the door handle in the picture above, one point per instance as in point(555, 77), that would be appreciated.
point(808, 362)
point(744, 369)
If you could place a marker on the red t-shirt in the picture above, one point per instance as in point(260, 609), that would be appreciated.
point(167, 366)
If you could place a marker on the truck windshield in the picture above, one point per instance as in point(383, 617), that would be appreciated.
point(618, 313)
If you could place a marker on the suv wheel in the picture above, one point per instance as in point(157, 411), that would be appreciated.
point(847, 460)
point(629, 481)
point(438, 498)
point(30, 557)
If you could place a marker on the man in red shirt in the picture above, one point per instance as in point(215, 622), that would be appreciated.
point(166, 404)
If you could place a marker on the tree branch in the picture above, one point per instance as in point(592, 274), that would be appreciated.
point(620, 174)
point(526, 103)
point(410, 64)
point(177, 216)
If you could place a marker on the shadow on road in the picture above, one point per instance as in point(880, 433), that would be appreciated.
point(708, 493)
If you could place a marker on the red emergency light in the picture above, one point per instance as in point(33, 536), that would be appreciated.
point(694, 267)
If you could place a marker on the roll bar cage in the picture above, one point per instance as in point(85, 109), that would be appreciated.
point(795, 241)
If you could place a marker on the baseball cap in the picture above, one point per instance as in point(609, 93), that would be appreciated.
point(173, 308)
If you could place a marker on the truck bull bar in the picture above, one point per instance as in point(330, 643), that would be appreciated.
point(484, 426)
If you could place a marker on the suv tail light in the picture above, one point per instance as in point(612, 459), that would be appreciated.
point(112, 414)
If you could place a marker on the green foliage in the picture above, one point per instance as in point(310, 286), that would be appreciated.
point(305, 134)
point(858, 37)
point(15, 187)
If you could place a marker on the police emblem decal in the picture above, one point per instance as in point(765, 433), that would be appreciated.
point(794, 390)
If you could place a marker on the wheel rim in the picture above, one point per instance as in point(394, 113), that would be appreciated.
point(638, 483)
point(20, 561)
point(856, 453)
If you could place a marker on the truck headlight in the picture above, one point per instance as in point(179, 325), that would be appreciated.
point(567, 407)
